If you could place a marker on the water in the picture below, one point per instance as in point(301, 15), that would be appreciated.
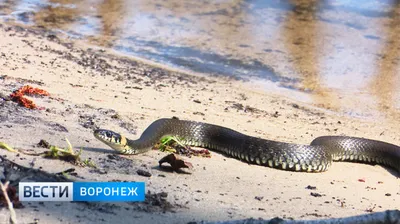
point(340, 55)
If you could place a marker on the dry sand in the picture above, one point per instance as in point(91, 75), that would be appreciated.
point(93, 88)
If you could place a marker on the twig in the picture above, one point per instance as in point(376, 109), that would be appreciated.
point(13, 218)
point(55, 152)
point(7, 147)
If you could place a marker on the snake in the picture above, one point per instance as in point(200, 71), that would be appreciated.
point(315, 157)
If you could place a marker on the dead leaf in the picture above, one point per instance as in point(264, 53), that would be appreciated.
point(175, 161)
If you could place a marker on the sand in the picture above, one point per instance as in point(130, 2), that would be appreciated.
point(91, 88)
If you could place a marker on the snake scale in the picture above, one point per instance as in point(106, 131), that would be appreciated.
point(316, 157)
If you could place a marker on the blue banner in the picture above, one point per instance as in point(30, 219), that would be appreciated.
point(108, 191)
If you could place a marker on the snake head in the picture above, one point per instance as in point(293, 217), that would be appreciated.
point(112, 139)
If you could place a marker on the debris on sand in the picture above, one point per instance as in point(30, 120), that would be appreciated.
point(68, 154)
point(144, 173)
point(156, 202)
point(18, 96)
point(12, 197)
point(7, 147)
point(174, 144)
point(175, 161)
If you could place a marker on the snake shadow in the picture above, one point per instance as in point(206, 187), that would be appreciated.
point(390, 170)
point(161, 168)
point(98, 150)
point(393, 172)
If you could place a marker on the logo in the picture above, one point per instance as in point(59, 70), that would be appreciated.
point(81, 191)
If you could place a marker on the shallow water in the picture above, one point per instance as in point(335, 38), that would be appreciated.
point(340, 55)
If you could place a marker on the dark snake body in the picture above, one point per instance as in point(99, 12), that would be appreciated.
point(316, 157)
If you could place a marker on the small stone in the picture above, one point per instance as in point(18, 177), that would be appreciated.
point(315, 194)
point(309, 187)
point(259, 198)
point(143, 173)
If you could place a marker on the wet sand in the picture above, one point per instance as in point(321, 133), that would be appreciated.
point(345, 54)
point(91, 88)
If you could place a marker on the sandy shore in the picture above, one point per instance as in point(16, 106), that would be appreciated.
point(91, 88)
